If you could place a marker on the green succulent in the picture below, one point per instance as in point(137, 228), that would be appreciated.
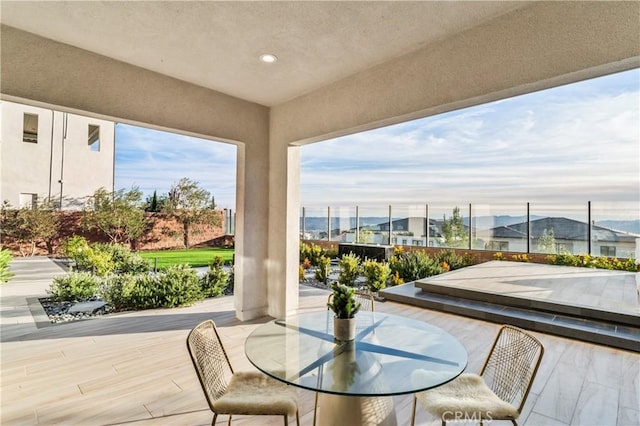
point(343, 303)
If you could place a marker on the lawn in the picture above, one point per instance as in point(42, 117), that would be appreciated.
point(194, 257)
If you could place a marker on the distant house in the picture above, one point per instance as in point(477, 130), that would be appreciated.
point(47, 154)
point(406, 231)
point(564, 234)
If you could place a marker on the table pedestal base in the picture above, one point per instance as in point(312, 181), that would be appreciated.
point(353, 410)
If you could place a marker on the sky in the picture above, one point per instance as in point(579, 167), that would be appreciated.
point(571, 144)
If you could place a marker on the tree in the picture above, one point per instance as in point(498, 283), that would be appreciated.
point(152, 204)
point(547, 242)
point(191, 206)
point(117, 215)
point(155, 203)
point(30, 225)
point(453, 230)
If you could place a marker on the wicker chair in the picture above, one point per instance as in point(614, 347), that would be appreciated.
point(229, 392)
point(366, 304)
point(501, 389)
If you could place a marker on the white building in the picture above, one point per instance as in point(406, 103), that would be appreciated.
point(55, 155)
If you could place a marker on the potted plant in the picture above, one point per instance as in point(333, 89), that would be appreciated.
point(344, 306)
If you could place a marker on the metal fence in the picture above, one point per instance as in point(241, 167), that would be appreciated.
point(605, 229)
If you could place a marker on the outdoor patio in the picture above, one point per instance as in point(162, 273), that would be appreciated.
point(133, 368)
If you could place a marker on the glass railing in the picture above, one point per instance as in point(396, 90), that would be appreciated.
point(603, 229)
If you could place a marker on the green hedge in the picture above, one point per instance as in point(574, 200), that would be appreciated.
point(75, 287)
point(5, 258)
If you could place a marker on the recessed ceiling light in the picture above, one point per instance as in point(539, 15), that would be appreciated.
point(268, 58)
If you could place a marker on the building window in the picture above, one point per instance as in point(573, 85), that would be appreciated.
point(94, 138)
point(30, 128)
point(497, 246)
point(417, 242)
point(609, 251)
point(27, 200)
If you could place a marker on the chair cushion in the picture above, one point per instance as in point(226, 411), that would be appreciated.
point(466, 397)
point(253, 393)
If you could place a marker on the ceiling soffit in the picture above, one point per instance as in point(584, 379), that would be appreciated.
point(217, 44)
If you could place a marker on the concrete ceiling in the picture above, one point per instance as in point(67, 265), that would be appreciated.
point(218, 44)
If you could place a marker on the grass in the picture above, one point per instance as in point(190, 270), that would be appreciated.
point(194, 257)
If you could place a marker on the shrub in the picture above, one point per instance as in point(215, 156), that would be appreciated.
point(75, 286)
point(306, 264)
point(87, 258)
point(349, 265)
point(454, 261)
point(99, 262)
point(145, 293)
point(118, 291)
point(498, 256)
point(72, 247)
point(323, 269)
point(331, 253)
point(312, 252)
point(231, 281)
point(414, 265)
point(215, 281)
point(5, 258)
point(587, 261)
point(395, 279)
point(301, 273)
point(123, 259)
point(376, 274)
point(178, 285)
point(77, 249)
point(521, 258)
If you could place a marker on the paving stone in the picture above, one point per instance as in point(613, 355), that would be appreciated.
point(89, 307)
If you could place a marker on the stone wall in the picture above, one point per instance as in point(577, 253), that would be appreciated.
point(164, 233)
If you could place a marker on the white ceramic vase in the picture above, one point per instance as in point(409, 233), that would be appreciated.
point(344, 329)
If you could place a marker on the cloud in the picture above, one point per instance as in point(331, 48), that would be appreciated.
point(153, 160)
point(571, 144)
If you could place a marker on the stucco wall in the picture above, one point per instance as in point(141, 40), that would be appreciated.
point(57, 156)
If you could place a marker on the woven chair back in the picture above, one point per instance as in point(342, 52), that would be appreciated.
point(512, 364)
point(210, 360)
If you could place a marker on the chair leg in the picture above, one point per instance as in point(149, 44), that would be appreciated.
point(315, 410)
point(286, 420)
point(297, 418)
point(229, 423)
point(413, 414)
point(215, 416)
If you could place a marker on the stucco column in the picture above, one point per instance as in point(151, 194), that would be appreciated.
point(284, 227)
point(252, 205)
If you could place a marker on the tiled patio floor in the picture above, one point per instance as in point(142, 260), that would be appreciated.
point(134, 369)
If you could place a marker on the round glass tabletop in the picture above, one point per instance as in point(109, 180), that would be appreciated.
point(390, 355)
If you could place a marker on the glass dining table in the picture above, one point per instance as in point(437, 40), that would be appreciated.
point(356, 380)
